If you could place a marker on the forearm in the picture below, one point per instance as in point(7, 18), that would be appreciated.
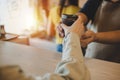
point(111, 37)
point(72, 65)
point(71, 47)
point(90, 8)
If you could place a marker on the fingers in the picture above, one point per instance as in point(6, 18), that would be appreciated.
point(61, 34)
point(64, 26)
point(59, 28)
point(85, 42)
point(76, 27)
point(87, 37)
point(77, 22)
point(60, 31)
point(87, 34)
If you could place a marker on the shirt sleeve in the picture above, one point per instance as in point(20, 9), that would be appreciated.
point(72, 66)
point(90, 8)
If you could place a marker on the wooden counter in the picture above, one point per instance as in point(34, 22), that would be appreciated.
point(38, 61)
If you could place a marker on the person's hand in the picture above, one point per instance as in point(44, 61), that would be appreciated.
point(87, 37)
point(77, 27)
point(60, 30)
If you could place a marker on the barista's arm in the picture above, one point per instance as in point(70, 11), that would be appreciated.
point(108, 37)
point(89, 10)
point(111, 37)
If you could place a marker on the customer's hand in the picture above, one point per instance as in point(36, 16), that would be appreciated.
point(78, 22)
point(87, 37)
point(60, 30)
point(77, 27)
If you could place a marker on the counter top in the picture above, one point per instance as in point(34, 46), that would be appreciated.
point(38, 61)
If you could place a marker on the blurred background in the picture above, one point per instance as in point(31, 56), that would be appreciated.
point(26, 16)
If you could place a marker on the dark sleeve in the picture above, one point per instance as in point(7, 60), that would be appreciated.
point(90, 8)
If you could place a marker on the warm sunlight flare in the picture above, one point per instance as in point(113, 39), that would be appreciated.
point(30, 19)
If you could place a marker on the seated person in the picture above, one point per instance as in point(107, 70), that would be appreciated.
point(71, 66)
point(69, 7)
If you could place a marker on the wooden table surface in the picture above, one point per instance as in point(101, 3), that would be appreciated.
point(38, 61)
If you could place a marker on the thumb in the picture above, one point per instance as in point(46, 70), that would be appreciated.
point(79, 20)
point(64, 26)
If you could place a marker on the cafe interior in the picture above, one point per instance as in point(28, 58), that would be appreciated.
point(26, 47)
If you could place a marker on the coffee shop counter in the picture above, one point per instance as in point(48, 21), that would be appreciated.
point(38, 61)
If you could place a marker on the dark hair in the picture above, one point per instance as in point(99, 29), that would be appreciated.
point(70, 2)
point(73, 2)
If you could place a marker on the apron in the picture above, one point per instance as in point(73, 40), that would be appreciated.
point(107, 19)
